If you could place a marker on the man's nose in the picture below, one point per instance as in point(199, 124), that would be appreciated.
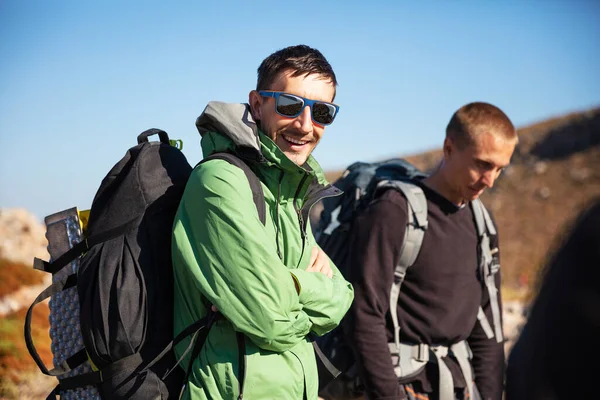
point(488, 178)
point(305, 120)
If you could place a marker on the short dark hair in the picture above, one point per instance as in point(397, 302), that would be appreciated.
point(300, 59)
point(476, 118)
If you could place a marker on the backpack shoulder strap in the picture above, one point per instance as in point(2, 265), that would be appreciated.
point(487, 269)
point(257, 191)
point(413, 239)
point(483, 221)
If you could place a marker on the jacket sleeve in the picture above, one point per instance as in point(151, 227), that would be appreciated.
point(220, 239)
point(488, 355)
point(325, 300)
point(374, 251)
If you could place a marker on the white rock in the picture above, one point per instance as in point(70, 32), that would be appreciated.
point(22, 236)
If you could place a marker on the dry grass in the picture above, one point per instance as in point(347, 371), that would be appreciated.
point(15, 275)
point(17, 368)
point(32, 385)
point(532, 225)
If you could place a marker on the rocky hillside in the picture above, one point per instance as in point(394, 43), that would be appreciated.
point(21, 236)
point(554, 173)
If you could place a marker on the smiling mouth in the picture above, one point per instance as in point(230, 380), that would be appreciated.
point(294, 141)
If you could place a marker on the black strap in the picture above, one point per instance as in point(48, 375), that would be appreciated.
point(162, 135)
point(193, 342)
point(257, 191)
point(198, 340)
point(83, 246)
point(58, 264)
point(73, 361)
point(326, 363)
point(242, 362)
point(128, 363)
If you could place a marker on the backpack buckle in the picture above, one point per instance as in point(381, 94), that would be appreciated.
point(494, 266)
point(422, 352)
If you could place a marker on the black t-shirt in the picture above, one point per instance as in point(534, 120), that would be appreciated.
point(438, 301)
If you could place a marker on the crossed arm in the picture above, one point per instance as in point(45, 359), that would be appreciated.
point(219, 237)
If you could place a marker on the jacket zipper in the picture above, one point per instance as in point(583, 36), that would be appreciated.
point(277, 228)
point(303, 217)
point(300, 218)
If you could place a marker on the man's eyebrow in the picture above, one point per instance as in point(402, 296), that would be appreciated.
point(484, 161)
point(491, 163)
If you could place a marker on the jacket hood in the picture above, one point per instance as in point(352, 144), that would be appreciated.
point(233, 120)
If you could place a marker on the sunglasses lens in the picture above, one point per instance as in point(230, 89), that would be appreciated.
point(323, 113)
point(289, 105)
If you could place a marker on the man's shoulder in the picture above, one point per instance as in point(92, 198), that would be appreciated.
point(390, 198)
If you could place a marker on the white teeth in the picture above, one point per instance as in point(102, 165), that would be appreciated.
point(295, 141)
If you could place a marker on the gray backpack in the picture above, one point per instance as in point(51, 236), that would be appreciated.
point(362, 183)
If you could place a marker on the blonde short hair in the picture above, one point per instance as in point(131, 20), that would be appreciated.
point(474, 119)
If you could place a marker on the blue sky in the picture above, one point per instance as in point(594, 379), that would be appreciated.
point(80, 79)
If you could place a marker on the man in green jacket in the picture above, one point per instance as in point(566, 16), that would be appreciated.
point(270, 282)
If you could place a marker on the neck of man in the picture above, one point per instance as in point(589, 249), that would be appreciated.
point(439, 182)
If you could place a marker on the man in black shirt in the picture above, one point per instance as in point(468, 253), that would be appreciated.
point(442, 293)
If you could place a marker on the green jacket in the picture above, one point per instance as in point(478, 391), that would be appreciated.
point(224, 255)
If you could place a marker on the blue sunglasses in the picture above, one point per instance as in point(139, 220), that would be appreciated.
point(290, 105)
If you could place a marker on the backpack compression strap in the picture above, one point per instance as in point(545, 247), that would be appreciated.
point(488, 269)
point(83, 246)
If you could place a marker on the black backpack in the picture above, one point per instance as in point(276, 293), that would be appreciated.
point(125, 279)
point(362, 183)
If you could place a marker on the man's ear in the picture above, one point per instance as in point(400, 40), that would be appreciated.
point(255, 100)
point(448, 148)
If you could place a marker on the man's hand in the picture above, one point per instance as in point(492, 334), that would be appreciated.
point(319, 262)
